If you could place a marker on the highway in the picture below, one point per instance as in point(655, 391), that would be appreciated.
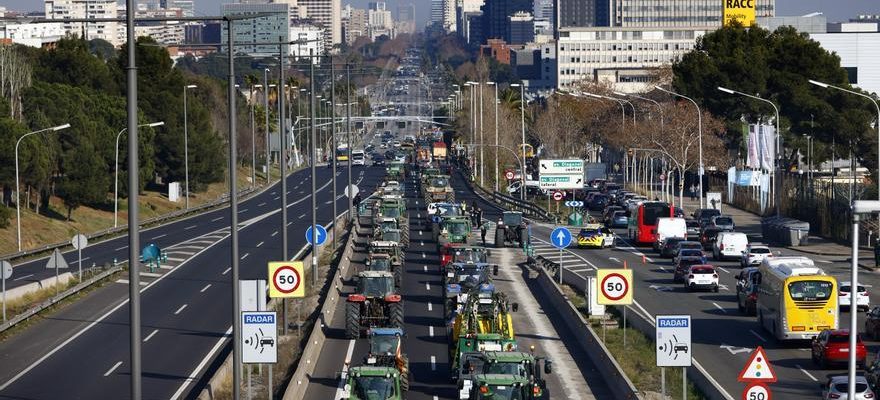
point(185, 310)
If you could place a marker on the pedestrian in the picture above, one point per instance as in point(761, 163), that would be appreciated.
point(479, 212)
point(483, 229)
point(693, 192)
point(528, 233)
point(519, 235)
point(356, 201)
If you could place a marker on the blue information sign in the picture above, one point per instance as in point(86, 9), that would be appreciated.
point(560, 237)
point(322, 235)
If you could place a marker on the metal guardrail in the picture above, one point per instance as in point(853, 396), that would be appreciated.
point(511, 203)
point(124, 228)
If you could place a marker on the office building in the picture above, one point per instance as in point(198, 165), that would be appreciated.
point(436, 17)
point(496, 16)
point(311, 38)
point(473, 27)
point(521, 28)
point(673, 13)
point(580, 13)
point(30, 34)
point(464, 9)
point(406, 19)
point(75, 9)
point(379, 22)
point(327, 14)
point(354, 23)
point(187, 6)
point(269, 28)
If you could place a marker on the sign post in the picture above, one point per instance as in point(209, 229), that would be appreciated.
point(561, 238)
point(674, 347)
point(79, 242)
point(5, 273)
point(615, 288)
point(56, 261)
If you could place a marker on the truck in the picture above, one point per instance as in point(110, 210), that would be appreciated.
point(594, 171)
point(439, 151)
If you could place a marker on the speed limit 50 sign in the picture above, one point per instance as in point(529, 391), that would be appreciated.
point(614, 286)
point(286, 279)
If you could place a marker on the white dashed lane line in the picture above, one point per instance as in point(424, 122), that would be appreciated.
point(150, 336)
point(113, 368)
point(216, 219)
point(227, 270)
point(205, 288)
point(180, 309)
point(189, 227)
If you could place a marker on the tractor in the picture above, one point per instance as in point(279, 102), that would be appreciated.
point(375, 303)
point(385, 351)
point(452, 230)
point(437, 188)
point(515, 363)
point(394, 236)
point(485, 323)
point(462, 253)
point(371, 382)
point(510, 229)
point(387, 256)
point(504, 386)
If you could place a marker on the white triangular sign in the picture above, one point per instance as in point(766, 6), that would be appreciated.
point(56, 260)
point(758, 368)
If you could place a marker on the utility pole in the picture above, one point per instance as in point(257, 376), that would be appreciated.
point(282, 129)
point(314, 160)
point(348, 138)
point(333, 145)
point(266, 111)
point(233, 215)
point(134, 287)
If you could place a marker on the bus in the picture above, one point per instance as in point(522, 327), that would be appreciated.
point(342, 153)
point(642, 228)
point(796, 300)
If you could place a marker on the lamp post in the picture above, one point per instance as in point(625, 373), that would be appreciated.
point(186, 146)
point(876, 105)
point(622, 122)
point(522, 118)
point(17, 189)
point(116, 175)
point(253, 138)
point(700, 128)
point(777, 189)
point(482, 153)
point(496, 132)
point(266, 112)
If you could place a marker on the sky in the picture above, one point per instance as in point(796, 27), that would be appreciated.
point(835, 10)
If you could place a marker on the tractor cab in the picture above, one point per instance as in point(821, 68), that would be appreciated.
point(379, 262)
point(373, 383)
point(375, 285)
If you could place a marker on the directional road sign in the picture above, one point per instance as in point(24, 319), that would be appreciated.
point(757, 391)
point(574, 203)
point(615, 286)
point(758, 368)
point(564, 167)
point(561, 174)
point(560, 237)
point(286, 279)
point(259, 337)
point(558, 196)
point(570, 181)
point(322, 235)
point(674, 347)
point(56, 260)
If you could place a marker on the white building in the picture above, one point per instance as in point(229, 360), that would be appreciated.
point(312, 38)
point(380, 23)
point(164, 32)
point(327, 14)
point(858, 46)
point(71, 9)
point(624, 57)
point(28, 34)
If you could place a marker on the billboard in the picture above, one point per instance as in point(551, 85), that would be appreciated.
point(739, 10)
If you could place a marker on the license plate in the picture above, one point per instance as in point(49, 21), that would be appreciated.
point(844, 350)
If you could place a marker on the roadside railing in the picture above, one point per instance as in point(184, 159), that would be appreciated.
point(529, 209)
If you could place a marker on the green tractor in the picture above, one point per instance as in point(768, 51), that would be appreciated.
point(386, 256)
point(385, 351)
point(373, 383)
point(452, 230)
point(376, 302)
point(504, 386)
point(516, 363)
point(396, 170)
point(393, 235)
point(510, 229)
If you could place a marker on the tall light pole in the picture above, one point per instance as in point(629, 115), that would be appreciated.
point(282, 156)
point(253, 138)
point(266, 111)
point(348, 138)
point(496, 133)
point(482, 154)
point(876, 105)
point(777, 169)
point(186, 146)
point(522, 149)
point(700, 128)
point(17, 189)
point(116, 175)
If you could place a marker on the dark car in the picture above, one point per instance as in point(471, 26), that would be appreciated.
point(722, 222)
point(707, 237)
point(832, 347)
point(747, 290)
point(378, 159)
point(693, 228)
point(681, 268)
point(688, 253)
point(669, 246)
point(609, 211)
point(872, 324)
point(704, 215)
point(598, 202)
point(389, 155)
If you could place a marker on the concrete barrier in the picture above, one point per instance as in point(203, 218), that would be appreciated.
point(589, 342)
point(17, 292)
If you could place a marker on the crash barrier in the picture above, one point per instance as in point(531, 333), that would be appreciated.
point(785, 231)
point(507, 202)
point(698, 375)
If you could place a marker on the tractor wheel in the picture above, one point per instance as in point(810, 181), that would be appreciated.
point(353, 320)
point(396, 314)
point(404, 373)
point(499, 238)
point(398, 276)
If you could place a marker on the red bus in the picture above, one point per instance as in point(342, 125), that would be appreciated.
point(642, 228)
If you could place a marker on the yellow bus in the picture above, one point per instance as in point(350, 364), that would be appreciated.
point(796, 300)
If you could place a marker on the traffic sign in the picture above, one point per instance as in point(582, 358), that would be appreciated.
point(674, 347)
point(561, 174)
point(56, 260)
point(757, 391)
point(508, 175)
point(615, 286)
point(79, 241)
point(352, 190)
point(662, 177)
point(565, 167)
point(574, 203)
point(259, 337)
point(569, 181)
point(322, 235)
point(758, 368)
point(560, 237)
point(286, 279)
point(558, 196)
point(5, 270)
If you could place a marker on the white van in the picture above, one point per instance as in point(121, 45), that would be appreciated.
point(358, 157)
point(669, 228)
point(729, 245)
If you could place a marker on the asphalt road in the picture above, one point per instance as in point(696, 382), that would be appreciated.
point(185, 311)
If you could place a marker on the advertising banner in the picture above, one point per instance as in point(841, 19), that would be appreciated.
point(742, 11)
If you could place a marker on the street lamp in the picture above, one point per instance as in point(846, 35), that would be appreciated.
point(116, 176)
point(185, 145)
point(17, 190)
point(776, 190)
point(876, 105)
point(700, 128)
point(496, 133)
point(522, 116)
point(266, 112)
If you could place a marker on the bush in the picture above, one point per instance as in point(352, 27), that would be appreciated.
point(5, 216)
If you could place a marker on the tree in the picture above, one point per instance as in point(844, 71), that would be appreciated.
point(80, 184)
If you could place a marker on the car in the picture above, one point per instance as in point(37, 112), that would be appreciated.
point(596, 236)
point(872, 373)
point(669, 227)
point(684, 252)
point(670, 246)
point(747, 290)
point(729, 244)
point(837, 388)
point(844, 297)
point(701, 276)
point(831, 346)
point(619, 219)
point(872, 325)
point(754, 254)
point(704, 215)
point(598, 202)
point(707, 237)
point(693, 228)
point(723, 222)
point(682, 267)
point(609, 211)
point(378, 160)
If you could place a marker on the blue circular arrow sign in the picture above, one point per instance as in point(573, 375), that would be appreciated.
point(322, 235)
point(560, 238)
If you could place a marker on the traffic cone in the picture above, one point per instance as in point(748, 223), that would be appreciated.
point(624, 264)
point(643, 258)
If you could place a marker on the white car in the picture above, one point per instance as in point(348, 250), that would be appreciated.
point(754, 254)
point(844, 299)
point(729, 245)
point(701, 277)
point(837, 388)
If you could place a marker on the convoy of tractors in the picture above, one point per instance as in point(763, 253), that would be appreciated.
point(484, 357)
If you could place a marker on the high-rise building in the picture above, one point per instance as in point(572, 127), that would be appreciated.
point(521, 28)
point(406, 19)
point(75, 9)
point(354, 23)
point(376, 6)
point(269, 28)
point(464, 9)
point(327, 14)
point(496, 15)
point(312, 41)
point(679, 13)
point(578, 13)
point(436, 12)
point(380, 22)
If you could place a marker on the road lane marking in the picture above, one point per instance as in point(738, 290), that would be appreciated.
point(150, 274)
point(227, 271)
point(824, 261)
point(28, 276)
point(424, 256)
point(259, 244)
point(245, 255)
point(431, 331)
point(757, 335)
point(425, 267)
point(216, 219)
point(433, 363)
point(806, 373)
point(160, 236)
point(113, 368)
point(180, 309)
point(121, 248)
point(340, 390)
point(302, 216)
point(205, 288)
point(261, 204)
point(288, 224)
point(430, 306)
point(151, 335)
point(189, 227)
point(126, 282)
point(615, 259)
point(427, 286)
point(242, 211)
point(209, 356)
point(719, 307)
point(722, 268)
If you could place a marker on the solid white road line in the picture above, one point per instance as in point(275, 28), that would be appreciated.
point(276, 198)
point(806, 373)
point(433, 363)
point(757, 335)
point(189, 227)
point(113, 368)
point(719, 307)
point(180, 309)
point(288, 224)
point(160, 236)
point(274, 233)
point(227, 270)
point(126, 282)
point(155, 331)
point(242, 211)
point(209, 356)
point(722, 268)
point(340, 390)
point(205, 288)
point(30, 275)
point(216, 219)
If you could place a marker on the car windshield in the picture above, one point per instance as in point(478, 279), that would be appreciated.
point(588, 232)
point(470, 256)
point(439, 182)
point(759, 250)
point(690, 245)
point(376, 287)
point(810, 290)
point(723, 221)
point(373, 387)
point(847, 288)
point(473, 364)
point(503, 393)
point(380, 264)
point(703, 270)
point(458, 228)
point(392, 212)
point(693, 224)
point(391, 236)
point(691, 253)
point(512, 218)
point(389, 225)
point(384, 344)
point(709, 213)
point(842, 387)
point(506, 368)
